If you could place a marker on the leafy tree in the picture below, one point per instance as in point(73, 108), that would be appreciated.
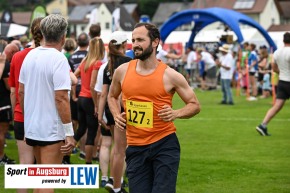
point(4, 5)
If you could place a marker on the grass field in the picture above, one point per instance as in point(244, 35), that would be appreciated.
point(220, 150)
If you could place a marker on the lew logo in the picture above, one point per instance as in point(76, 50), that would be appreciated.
point(84, 175)
point(51, 176)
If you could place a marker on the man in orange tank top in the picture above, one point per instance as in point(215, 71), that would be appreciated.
point(147, 86)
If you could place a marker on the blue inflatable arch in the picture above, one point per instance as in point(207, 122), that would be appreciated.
point(204, 17)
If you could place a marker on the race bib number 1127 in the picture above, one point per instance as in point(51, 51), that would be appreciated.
point(139, 114)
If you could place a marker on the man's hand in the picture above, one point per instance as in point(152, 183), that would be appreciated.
point(167, 113)
point(120, 121)
point(70, 143)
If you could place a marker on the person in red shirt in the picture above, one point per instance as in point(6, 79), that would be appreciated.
point(87, 100)
point(25, 151)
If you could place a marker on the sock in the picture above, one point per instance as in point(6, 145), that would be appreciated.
point(264, 125)
point(122, 179)
point(117, 189)
point(105, 178)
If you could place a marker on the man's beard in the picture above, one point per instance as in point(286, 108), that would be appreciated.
point(145, 54)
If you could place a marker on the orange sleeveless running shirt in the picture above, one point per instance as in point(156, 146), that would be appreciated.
point(143, 96)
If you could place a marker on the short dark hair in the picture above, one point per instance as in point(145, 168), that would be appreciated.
point(83, 40)
point(153, 31)
point(245, 44)
point(69, 44)
point(95, 30)
point(253, 46)
point(286, 39)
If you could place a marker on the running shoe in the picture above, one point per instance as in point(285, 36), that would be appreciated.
point(109, 185)
point(6, 160)
point(262, 130)
point(103, 183)
point(82, 156)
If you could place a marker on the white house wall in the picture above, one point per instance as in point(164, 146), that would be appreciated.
point(266, 18)
point(105, 17)
point(79, 28)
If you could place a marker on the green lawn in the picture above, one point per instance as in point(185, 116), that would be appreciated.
point(220, 150)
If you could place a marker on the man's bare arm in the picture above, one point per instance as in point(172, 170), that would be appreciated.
point(113, 99)
point(113, 96)
point(186, 93)
point(63, 105)
point(177, 82)
point(63, 108)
